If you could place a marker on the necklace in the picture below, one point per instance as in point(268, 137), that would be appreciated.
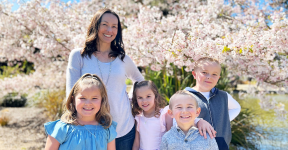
point(86, 128)
point(101, 71)
point(89, 131)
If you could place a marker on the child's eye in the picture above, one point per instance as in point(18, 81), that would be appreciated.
point(204, 72)
point(114, 27)
point(179, 107)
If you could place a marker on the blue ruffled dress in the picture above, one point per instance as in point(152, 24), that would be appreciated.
point(76, 137)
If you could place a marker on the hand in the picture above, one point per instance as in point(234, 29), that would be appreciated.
point(204, 127)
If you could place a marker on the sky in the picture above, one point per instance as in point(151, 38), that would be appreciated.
point(16, 6)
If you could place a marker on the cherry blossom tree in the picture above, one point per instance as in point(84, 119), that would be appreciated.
point(235, 32)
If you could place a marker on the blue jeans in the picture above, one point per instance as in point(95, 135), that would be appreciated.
point(126, 142)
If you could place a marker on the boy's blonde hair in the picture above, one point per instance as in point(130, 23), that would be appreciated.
point(200, 61)
point(103, 116)
point(183, 92)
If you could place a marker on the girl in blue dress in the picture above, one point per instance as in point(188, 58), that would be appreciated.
point(86, 122)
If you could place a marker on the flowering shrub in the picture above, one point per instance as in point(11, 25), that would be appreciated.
point(44, 32)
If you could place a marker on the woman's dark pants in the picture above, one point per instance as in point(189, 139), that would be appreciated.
point(126, 142)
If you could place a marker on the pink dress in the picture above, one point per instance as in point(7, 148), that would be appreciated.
point(151, 130)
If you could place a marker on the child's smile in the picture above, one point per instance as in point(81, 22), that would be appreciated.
point(88, 102)
point(207, 76)
point(145, 99)
point(184, 111)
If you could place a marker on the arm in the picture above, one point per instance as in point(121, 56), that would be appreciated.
point(169, 121)
point(51, 143)
point(111, 145)
point(73, 72)
point(164, 144)
point(136, 144)
point(132, 73)
point(204, 127)
point(234, 107)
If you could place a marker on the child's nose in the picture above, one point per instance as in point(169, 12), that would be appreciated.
point(184, 110)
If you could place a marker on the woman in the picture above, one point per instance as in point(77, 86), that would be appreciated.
point(104, 55)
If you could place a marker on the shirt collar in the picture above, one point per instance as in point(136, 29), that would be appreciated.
point(191, 130)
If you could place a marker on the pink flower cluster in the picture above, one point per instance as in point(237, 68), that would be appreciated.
point(238, 37)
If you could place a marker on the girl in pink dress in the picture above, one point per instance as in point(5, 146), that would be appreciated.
point(150, 115)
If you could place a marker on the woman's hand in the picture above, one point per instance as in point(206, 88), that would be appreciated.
point(204, 127)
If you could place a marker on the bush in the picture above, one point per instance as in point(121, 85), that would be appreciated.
point(14, 100)
point(3, 118)
point(52, 102)
point(243, 130)
point(4, 121)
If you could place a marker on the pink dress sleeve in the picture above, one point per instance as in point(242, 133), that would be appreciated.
point(162, 118)
point(137, 118)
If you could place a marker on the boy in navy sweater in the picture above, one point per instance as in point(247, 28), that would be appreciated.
point(217, 107)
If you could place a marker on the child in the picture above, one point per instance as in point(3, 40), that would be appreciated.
point(183, 106)
point(151, 118)
point(86, 123)
point(217, 107)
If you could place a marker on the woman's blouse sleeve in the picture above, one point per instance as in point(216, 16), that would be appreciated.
point(162, 118)
point(132, 71)
point(73, 72)
point(112, 132)
point(58, 130)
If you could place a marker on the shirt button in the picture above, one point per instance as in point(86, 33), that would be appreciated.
point(186, 140)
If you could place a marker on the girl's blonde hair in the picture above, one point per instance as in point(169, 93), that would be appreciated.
point(159, 101)
point(103, 116)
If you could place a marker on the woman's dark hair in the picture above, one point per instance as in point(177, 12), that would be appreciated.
point(92, 38)
point(159, 101)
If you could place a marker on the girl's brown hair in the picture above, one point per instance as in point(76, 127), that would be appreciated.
point(103, 116)
point(92, 39)
point(159, 101)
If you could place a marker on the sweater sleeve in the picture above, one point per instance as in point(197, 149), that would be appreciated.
point(234, 107)
point(73, 72)
point(132, 71)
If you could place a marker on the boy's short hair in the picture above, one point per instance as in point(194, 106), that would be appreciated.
point(204, 59)
point(183, 92)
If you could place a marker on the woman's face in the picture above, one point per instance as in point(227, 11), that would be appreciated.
point(108, 28)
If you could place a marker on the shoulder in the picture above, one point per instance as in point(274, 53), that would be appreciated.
point(221, 92)
point(58, 129)
point(111, 132)
point(76, 51)
point(170, 134)
point(127, 59)
point(75, 54)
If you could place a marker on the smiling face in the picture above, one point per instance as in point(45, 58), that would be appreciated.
point(184, 109)
point(207, 76)
point(108, 28)
point(146, 99)
point(88, 102)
